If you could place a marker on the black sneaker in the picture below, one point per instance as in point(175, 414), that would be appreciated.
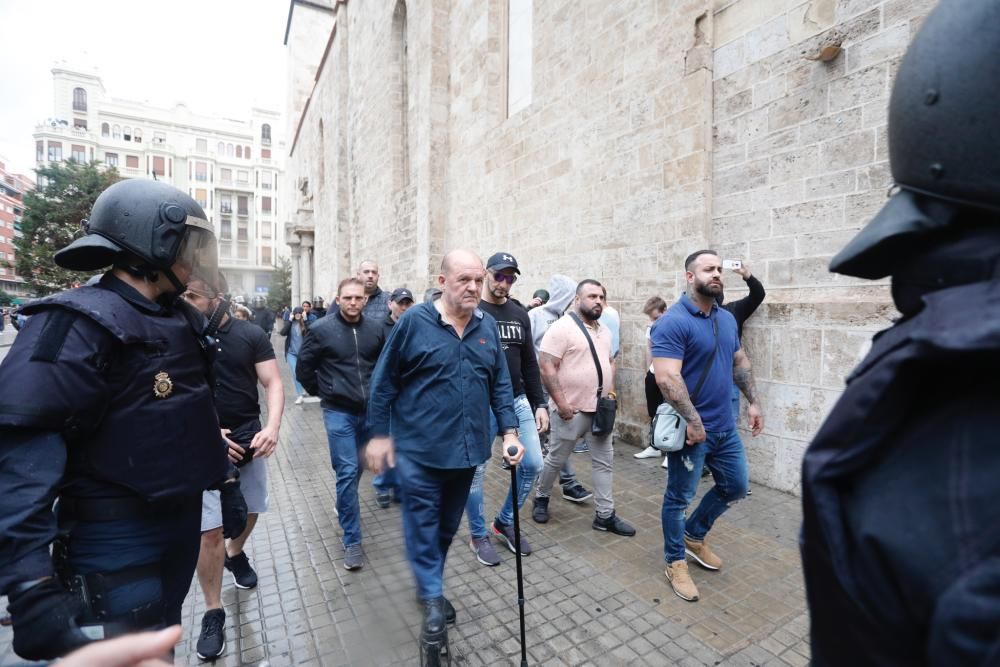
point(243, 575)
point(383, 499)
point(540, 511)
point(576, 493)
point(613, 524)
point(212, 640)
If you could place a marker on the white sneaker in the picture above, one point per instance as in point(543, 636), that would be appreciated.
point(312, 399)
point(298, 401)
point(666, 461)
point(648, 453)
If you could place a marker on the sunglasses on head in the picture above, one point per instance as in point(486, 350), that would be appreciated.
point(504, 278)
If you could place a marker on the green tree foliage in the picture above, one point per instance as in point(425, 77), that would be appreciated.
point(52, 217)
point(279, 293)
point(5, 299)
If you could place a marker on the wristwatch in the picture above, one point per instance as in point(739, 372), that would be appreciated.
point(510, 431)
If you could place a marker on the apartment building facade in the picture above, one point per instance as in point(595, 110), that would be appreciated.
point(12, 189)
point(233, 168)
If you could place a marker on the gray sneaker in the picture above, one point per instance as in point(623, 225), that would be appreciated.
point(353, 557)
point(485, 553)
point(505, 533)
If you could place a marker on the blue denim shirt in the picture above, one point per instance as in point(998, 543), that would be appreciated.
point(438, 390)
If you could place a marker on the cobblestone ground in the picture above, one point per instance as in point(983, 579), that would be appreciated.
point(592, 598)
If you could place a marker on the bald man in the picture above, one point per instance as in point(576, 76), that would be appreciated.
point(441, 372)
point(377, 306)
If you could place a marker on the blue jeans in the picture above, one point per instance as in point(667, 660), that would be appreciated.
point(386, 482)
point(433, 500)
point(172, 538)
point(346, 433)
point(293, 361)
point(527, 471)
point(724, 455)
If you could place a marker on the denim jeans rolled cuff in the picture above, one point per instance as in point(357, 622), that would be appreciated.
point(565, 434)
point(346, 434)
point(530, 466)
point(725, 456)
point(433, 502)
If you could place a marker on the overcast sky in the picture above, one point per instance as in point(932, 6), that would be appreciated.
point(218, 56)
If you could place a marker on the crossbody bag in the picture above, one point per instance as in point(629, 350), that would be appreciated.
point(604, 416)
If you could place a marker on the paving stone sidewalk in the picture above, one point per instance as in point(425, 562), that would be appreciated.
point(592, 598)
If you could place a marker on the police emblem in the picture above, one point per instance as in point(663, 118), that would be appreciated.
point(163, 386)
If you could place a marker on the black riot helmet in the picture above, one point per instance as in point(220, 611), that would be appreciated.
point(944, 136)
point(147, 227)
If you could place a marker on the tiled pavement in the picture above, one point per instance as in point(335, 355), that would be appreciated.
point(592, 598)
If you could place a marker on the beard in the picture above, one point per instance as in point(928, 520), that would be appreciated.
point(711, 290)
point(592, 314)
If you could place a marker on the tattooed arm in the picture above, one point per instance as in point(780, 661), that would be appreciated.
point(549, 366)
point(743, 377)
point(671, 384)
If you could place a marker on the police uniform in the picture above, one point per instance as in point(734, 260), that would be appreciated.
point(900, 542)
point(105, 405)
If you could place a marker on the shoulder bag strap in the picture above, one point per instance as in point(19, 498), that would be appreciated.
point(593, 351)
point(711, 359)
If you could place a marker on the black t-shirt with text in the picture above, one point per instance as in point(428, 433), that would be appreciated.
point(515, 336)
point(240, 345)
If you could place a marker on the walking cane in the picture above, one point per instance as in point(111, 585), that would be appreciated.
point(517, 553)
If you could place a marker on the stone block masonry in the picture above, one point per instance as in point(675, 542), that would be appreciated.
point(654, 128)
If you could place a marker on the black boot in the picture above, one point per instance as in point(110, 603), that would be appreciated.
point(434, 636)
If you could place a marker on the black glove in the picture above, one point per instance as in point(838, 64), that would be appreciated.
point(234, 509)
point(45, 621)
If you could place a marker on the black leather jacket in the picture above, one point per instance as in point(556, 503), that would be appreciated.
point(337, 359)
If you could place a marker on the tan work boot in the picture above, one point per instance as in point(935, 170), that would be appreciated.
point(701, 553)
point(680, 580)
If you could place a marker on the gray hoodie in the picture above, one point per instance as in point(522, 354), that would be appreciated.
point(562, 289)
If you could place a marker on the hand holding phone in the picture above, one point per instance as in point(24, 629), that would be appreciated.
point(732, 264)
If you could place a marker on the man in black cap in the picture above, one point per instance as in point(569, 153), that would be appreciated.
point(385, 484)
point(400, 299)
point(530, 408)
point(900, 542)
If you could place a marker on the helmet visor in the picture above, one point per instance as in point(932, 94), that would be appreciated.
point(198, 254)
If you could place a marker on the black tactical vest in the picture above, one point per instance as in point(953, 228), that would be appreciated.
point(159, 434)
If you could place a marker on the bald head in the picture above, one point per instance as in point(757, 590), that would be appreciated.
point(368, 275)
point(460, 258)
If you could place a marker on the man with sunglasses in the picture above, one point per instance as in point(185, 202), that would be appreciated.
point(530, 408)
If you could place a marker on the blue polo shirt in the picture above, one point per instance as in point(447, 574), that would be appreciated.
point(437, 390)
point(685, 333)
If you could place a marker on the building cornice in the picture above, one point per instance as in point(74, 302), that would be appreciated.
point(319, 72)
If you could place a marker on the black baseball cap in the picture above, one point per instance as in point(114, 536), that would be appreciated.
point(502, 260)
point(401, 293)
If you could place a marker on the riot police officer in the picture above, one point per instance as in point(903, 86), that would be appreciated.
point(900, 541)
point(262, 315)
point(105, 404)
